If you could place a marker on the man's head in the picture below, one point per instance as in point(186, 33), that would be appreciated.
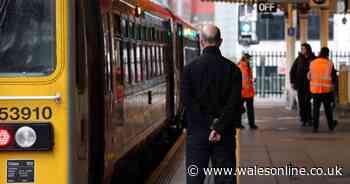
point(246, 57)
point(210, 36)
point(324, 53)
point(306, 49)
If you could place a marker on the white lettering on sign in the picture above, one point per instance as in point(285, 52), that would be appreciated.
point(266, 7)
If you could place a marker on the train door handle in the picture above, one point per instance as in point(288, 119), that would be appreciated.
point(149, 97)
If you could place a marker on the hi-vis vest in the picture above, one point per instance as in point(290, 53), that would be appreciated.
point(247, 80)
point(321, 76)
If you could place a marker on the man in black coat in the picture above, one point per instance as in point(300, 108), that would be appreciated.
point(211, 90)
point(300, 82)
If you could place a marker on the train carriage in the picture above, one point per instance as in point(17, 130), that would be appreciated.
point(88, 89)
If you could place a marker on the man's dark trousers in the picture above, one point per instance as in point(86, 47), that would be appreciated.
point(304, 99)
point(326, 99)
point(198, 154)
point(250, 110)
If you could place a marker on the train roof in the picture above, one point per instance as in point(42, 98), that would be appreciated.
point(163, 12)
point(155, 8)
point(184, 22)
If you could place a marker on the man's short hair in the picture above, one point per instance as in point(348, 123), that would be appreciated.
point(324, 53)
point(213, 38)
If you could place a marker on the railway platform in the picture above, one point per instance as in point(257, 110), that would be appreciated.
point(280, 141)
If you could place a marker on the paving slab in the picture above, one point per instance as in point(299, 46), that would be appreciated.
point(280, 141)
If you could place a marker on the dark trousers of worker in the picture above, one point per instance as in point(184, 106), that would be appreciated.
point(304, 99)
point(249, 104)
point(326, 100)
point(198, 154)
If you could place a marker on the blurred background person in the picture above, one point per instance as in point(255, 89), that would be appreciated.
point(247, 90)
point(300, 82)
point(322, 77)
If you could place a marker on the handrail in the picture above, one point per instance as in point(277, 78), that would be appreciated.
point(56, 98)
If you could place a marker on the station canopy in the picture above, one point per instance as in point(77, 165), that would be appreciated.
point(255, 1)
point(321, 4)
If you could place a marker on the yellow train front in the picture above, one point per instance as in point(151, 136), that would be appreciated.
point(88, 96)
point(34, 95)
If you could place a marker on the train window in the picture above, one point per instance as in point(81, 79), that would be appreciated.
point(146, 33)
point(138, 31)
point(126, 69)
point(142, 33)
point(116, 25)
point(161, 36)
point(157, 61)
point(135, 65)
point(158, 35)
point(27, 41)
point(145, 62)
point(154, 61)
point(131, 30)
point(107, 53)
point(117, 68)
point(150, 34)
point(149, 61)
point(165, 33)
point(132, 64)
point(124, 28)
point(153, 33)
point(129, 25)
point(162, 59)
point(138, 64)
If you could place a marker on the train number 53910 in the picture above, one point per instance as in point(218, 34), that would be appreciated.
point(25, 113)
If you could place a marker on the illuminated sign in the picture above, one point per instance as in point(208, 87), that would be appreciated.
point(189, 33)
point(266, 7)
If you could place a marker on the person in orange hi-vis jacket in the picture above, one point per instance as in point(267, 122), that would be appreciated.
point(322, 76)
point(247, 90)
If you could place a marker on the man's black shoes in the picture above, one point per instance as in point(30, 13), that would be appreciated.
point(335, 123)
point(253, 127)
point(241, 127)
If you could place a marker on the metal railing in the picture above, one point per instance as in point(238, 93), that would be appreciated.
point(270, 70)
point(270, 86)
point(339, 58)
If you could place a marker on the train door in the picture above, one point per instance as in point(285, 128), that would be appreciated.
point(169, 69)
point(80, 148)
point(178, 64)
point(90, 92)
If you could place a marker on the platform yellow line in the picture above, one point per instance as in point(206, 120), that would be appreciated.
point(152, 179)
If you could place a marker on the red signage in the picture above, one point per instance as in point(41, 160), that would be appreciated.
point(200, 7)
point(105, 5)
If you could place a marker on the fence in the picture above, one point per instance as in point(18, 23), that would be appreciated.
point(270, 70)
point(339, 58)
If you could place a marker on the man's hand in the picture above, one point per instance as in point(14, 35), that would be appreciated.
point(214, 136)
